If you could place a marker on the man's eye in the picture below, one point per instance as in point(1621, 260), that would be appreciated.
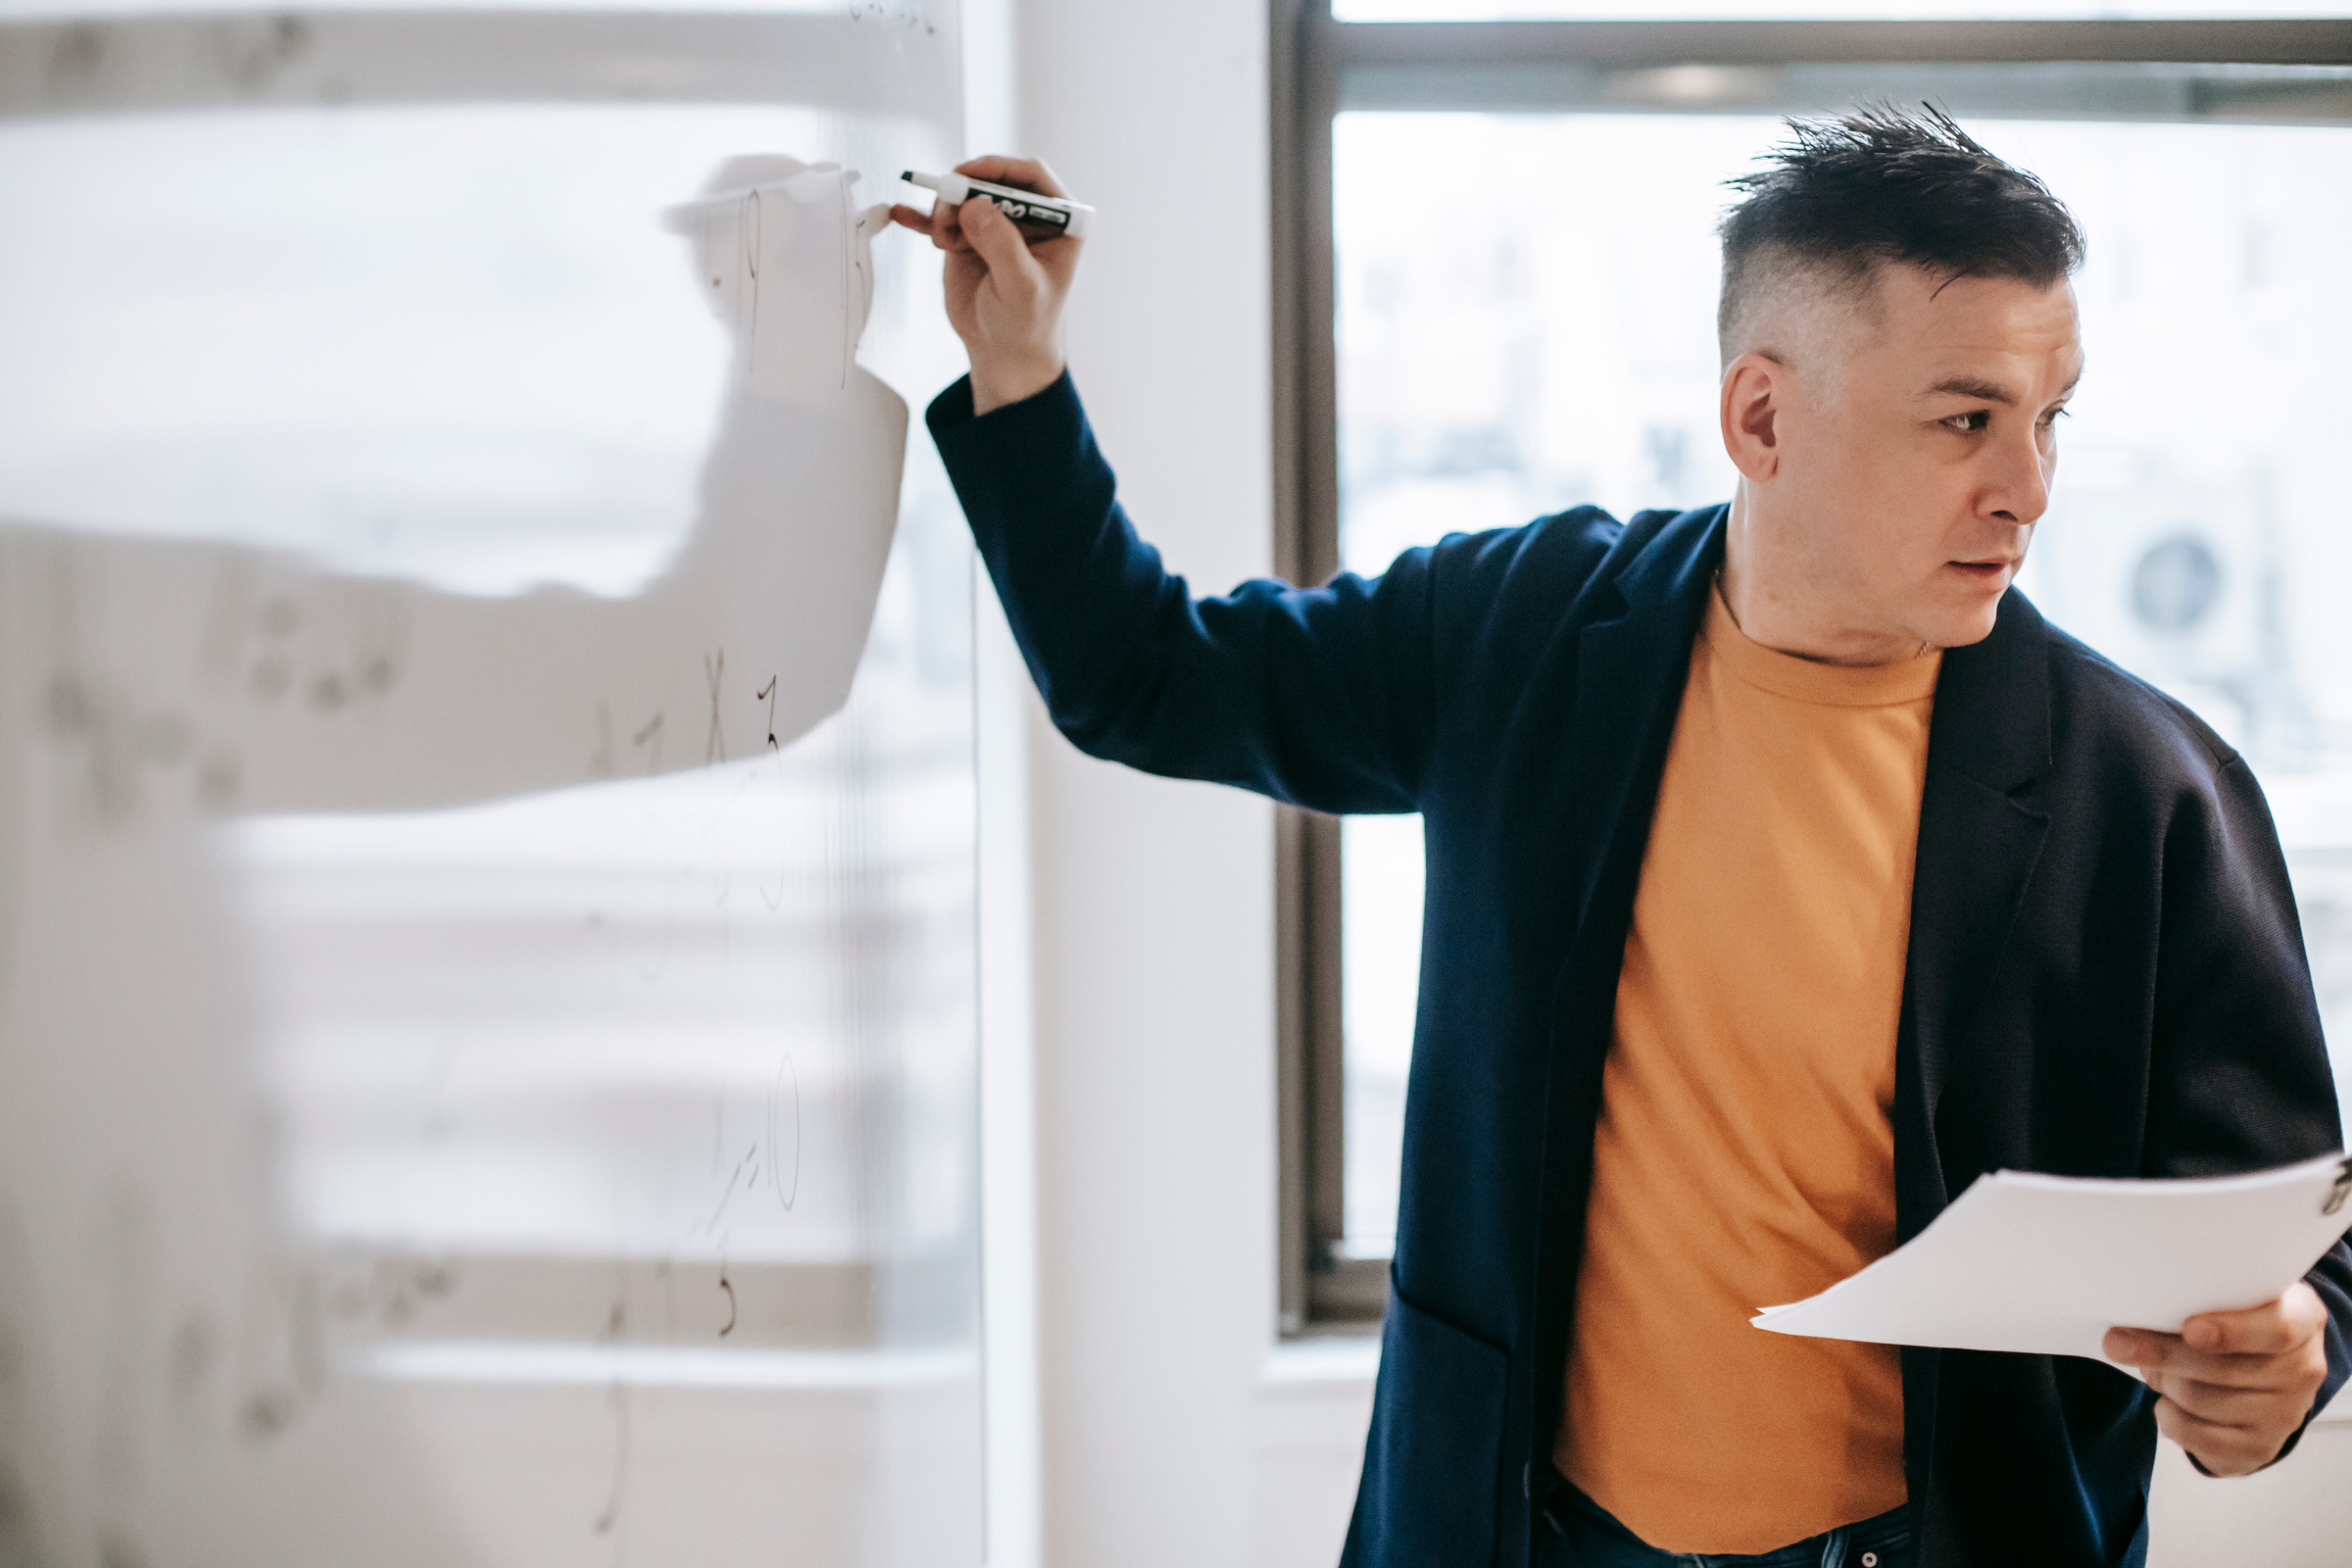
point(1972, 420)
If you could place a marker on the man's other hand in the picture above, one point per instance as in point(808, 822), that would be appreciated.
point(2233, 1386)
point(1004, 293)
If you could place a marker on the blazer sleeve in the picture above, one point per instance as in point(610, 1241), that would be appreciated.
point(2241, 1072)
point(1321, 697)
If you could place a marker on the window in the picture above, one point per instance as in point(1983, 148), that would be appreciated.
point(1552, 342)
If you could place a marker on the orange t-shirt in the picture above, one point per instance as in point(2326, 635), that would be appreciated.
point(1744, 1154)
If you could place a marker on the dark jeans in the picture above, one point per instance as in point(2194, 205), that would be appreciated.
point(1591, 1538)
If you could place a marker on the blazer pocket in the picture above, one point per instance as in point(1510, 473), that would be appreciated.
point(1431, 1472)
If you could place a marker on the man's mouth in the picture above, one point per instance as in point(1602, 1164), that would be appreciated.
point(1982, 568)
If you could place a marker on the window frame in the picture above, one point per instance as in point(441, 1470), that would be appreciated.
point(1319, 68)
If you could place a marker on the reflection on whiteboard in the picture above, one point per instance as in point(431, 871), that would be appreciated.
point(486, 1078)
point(240, 680)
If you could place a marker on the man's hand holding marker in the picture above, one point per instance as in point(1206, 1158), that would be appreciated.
point(1005, 290)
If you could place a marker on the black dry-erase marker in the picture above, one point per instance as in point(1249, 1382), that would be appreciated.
point(1057, 213)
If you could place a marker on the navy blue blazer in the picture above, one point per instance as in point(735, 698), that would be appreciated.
point(2106, 975)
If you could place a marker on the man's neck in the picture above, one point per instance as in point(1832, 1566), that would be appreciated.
point(1785, 611)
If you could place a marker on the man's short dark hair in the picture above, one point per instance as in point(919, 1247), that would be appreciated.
point(1844, 196)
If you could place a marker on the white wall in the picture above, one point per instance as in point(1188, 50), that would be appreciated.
point(1173, 1433)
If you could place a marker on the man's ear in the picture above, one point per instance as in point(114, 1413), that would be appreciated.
point(1755, 392)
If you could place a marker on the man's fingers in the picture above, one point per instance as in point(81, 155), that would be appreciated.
point(2226, 1450)
point(2233, 1386)
point(999, 241)
point(2152, 1353)
point(2257, 1331)
point(2194, 1432)
point(1058, 258)
point(1027, 172)
point(940, 224)
point(2163, 1357)
point(2271, 1329)
point(2224, 1404)
point(2277, 1374)
point(2232, 1409)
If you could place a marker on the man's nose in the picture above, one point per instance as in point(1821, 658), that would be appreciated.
point(2018, 488)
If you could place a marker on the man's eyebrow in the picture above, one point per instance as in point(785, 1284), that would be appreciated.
point(1969, 386)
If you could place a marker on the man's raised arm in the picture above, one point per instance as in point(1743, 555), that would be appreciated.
point(1322, 696)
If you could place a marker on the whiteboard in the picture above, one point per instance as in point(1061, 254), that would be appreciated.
point(487, 1033)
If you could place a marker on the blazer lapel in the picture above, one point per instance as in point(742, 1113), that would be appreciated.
point(1631, 670)
point(1990, 737)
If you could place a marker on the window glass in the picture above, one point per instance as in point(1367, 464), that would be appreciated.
point(1551, 343)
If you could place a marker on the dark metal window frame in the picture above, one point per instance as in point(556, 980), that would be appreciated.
point(1320, 67)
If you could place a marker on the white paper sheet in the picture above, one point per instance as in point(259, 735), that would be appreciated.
point(2046, 1264)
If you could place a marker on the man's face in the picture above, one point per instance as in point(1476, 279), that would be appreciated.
point(1917, 454)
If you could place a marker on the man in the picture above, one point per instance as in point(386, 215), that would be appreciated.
point(1787, 872)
